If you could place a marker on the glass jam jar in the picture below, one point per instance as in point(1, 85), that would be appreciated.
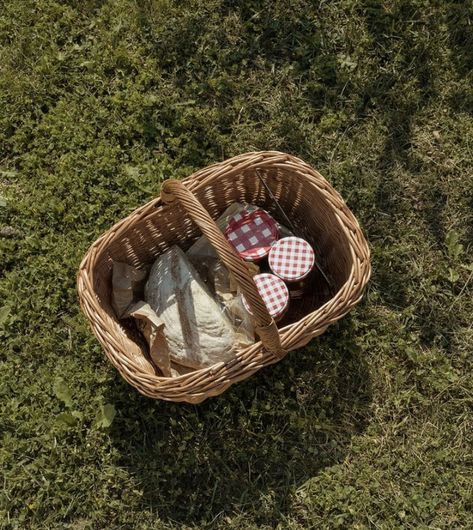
point(292, 259)
point(252, 232)
point(274, 293)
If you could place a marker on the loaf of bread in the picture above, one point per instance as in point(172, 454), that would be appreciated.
point(197, 331)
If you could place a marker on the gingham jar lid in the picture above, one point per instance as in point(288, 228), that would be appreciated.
point(252, 232)
point(291, 258)
point(274, 293)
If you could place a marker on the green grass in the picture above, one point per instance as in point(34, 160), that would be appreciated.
point(370, 427)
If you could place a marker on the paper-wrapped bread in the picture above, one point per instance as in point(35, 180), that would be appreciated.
point(197, 331)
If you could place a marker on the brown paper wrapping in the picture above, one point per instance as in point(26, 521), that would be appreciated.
point(127, 283)
point(153, 330)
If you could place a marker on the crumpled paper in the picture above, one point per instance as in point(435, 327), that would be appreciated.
point(152, 328)
point(127, 300)
point(127, 291)
point(127, 283)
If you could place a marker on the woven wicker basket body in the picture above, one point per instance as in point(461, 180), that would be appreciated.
point(184, 211)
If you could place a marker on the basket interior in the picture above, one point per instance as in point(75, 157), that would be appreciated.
point(308, 207)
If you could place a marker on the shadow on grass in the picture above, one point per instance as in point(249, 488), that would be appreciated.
point(461, 39)
point(469, 230)
point(251, 448)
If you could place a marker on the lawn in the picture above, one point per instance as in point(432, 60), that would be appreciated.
point(370, 426)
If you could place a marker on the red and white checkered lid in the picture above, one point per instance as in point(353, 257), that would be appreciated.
point(291, 258)
point(274, 293)
point(252, 232)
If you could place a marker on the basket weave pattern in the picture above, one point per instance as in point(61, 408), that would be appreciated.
point(184, 211)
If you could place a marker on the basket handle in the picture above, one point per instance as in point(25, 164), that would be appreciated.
point(265, 325)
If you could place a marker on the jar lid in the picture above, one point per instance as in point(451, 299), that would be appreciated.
point(291, 258)
point(274, 293)
point(252, 232)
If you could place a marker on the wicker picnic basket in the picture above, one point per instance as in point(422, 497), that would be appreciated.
point(184, 211)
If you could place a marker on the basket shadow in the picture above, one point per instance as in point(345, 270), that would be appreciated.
point(252, 448)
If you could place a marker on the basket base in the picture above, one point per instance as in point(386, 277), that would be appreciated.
point(318, 215)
